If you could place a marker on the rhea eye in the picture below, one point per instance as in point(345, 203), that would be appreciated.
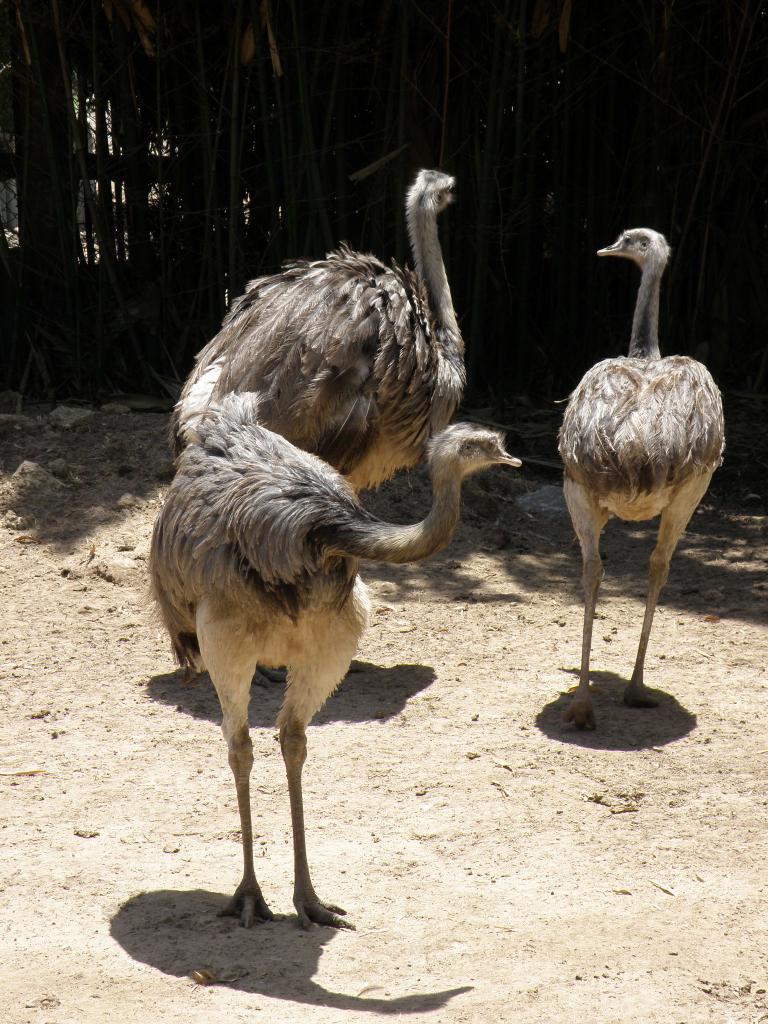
point(439, 197)
point(644, 243)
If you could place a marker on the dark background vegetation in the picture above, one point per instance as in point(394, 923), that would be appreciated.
point(154, 156)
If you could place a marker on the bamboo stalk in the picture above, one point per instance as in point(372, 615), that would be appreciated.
point(211, 253)
point(62, 216)
point(319, 223)
point(486, 185)
point(98, 220)
point(446, 82)
point(273, 196)
point(234, 277)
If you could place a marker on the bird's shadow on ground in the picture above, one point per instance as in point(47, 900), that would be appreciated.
point(619, 727)
point(179, 932)
point(368, 692)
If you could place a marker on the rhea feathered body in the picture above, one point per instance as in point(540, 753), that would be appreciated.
point(641, 437)
point(254, 560)
point(352, 360)
point(636, 428)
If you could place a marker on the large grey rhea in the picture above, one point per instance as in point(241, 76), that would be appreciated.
point(254, 559)
point(354, 361)
point(641, 437)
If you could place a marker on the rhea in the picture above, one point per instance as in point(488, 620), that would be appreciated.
point(254, 558)
point(352, 360)
point(641, 437)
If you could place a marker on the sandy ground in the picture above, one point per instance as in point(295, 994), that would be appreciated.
point(498, 865)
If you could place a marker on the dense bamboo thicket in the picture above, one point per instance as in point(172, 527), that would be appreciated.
point(156, 155)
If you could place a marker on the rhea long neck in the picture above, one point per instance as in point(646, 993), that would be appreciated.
point(428, 256)
point(383, 542)
point(644, 342)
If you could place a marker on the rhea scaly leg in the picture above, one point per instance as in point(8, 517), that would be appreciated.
point(674, 520)
point(231, 670)
point(317, 669)
point(588, 521)
point(309, 907)
point(247, 903)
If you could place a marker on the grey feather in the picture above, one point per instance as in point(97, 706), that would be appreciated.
point(254, 561)
point(354, 361)
point(641, 437)
point(637, 423)
point(272, 530)
point(633, 425)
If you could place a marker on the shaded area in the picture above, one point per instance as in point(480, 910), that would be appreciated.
point(718, 569)
point(618, 727)
point(368, 693)
point(94, 465)
point(178, 932)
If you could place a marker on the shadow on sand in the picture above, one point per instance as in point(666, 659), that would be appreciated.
point(368, 692)
point(618, 727)
point(178, 932)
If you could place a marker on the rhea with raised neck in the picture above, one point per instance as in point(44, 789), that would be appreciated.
point(427, 197)
point(650, 251)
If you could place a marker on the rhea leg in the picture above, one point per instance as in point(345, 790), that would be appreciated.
point(231, 669)
point(328, 649)
point(588, 521)
point(674, 520)
point(309, 907)
point(325, 645)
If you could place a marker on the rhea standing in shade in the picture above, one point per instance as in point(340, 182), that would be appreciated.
point(254, 559)
point(641, 437)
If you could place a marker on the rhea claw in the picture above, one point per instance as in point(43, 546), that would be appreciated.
point(311, 911)
point(248, 904)
point(581, 713)
point(637, 695)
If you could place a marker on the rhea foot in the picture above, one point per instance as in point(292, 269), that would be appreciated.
point(248, 904)
point(581, 713)
point(312, 910)
point(637, 695)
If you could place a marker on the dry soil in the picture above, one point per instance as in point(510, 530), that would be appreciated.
point(498, 865)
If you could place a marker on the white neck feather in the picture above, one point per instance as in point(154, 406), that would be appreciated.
point(644, 342)
point(428, 257)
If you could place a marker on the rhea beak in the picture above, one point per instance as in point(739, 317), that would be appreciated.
point(617, 249)
point(509, 460)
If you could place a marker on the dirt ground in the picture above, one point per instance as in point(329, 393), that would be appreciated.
point(498, 865)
